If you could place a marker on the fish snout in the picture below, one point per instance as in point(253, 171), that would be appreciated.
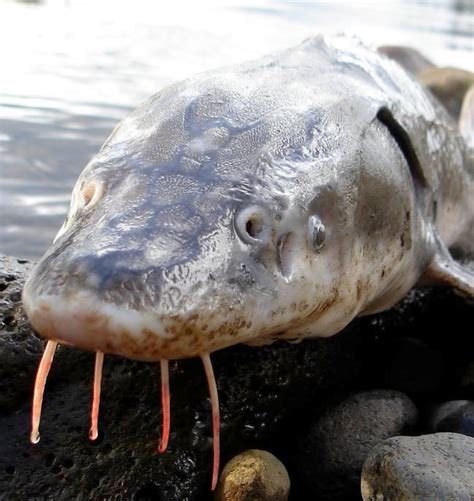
point(83, 321)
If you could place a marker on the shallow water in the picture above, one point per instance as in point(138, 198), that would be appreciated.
point(72, 68)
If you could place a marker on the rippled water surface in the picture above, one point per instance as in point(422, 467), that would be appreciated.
point(71, 69)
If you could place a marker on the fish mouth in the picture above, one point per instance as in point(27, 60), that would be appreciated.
point(84, 321)
point(102, 327)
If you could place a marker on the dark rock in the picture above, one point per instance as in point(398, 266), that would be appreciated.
point(267, 394)
point(253, 475)
point(436, 323)
point(332, 453)
point(413, 367)
point(467, 380)
point(19, 349)
point(438, 466)
point(261, 390)
point(456, 416)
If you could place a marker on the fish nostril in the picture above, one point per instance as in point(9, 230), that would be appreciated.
point(251, 225)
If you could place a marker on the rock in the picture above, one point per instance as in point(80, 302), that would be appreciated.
point(261, 390)
point(19, 349)
point(422, 321)
point(411, 59)
point(456, 416)
point(254, 475)
point(267, 396)
point(438, 466)
point(467, 381)
point(413, 367)
point(449, 85)
point(331, 455)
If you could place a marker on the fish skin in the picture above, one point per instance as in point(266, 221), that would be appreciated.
point(155, 269)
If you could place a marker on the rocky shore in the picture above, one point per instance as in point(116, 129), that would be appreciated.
point(386, 404)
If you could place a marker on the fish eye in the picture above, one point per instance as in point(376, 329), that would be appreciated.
point(316, 233)
point(251, 225)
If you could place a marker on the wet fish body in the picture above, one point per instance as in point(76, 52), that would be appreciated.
point(277, 199)
point(297, 134)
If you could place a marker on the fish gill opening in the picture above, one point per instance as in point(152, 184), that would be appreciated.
point(402, 138)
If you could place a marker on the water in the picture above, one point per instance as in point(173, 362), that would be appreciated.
point(70, 70)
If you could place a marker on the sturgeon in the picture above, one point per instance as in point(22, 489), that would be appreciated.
point(276, 199)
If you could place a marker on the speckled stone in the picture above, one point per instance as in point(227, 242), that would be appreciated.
point(254, 475)
point(332, 453)
point(438, 466)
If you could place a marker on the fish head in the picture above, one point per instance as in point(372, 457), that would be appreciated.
point(205, 220)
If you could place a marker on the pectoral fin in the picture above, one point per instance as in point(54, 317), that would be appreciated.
point(444, 270)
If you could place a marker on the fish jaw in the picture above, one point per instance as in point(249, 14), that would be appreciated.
point(83, 321)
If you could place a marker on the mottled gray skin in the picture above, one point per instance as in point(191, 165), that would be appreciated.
point(154, 267)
